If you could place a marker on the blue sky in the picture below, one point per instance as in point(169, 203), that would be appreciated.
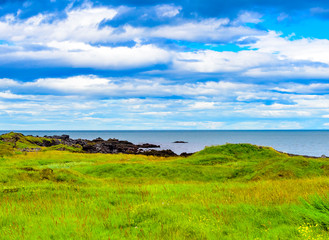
point(112, 65)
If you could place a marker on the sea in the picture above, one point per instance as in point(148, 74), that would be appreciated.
point(303, 142)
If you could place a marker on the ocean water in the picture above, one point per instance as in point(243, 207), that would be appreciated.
point(306, 142)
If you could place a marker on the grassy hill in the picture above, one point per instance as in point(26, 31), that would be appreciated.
point(233, 191)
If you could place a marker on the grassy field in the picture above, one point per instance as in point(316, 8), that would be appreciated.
point(234, 191)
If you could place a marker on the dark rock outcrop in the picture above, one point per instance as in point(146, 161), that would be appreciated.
point(112, 145)
point(148, 145)
point(185, 154)
point(98, 145)
point(160, 153)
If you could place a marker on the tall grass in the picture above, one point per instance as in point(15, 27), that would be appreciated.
point(315, 210)
point(226, 192)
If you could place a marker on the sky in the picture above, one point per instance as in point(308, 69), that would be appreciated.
point(144, 65)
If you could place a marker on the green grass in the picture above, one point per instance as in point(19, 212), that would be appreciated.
point(234, 191)
point(19, 141)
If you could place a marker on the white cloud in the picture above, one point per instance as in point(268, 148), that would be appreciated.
point(249, 17)
point(72, 84)
point(69, 41)
point(5, 82)
point(209, 30)
point(220, 103)
point(9, 95)
point(130, 87)
point(291, 72)
point(213, 61)
point(202, 105)
point(282, 17)
point(84, 55)
point(167, 10)
point(303, 88)
point(266, 125)
point(265, 112)
point(157, 113)
point(319, 10)
point(306, 49)
point(201, 124)
point(216, 98)
point(80, 39)
point(84, 25)
point(312, 101)
point(272, 56)
point(80, 25)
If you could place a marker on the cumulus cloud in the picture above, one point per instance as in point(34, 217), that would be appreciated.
point(133, 87)
point(305, 49)
point(86, 25)
point(289, 72)
point(89, 96)
point(9, 95)
point(209, 30)
point(76, 99)
point(4, 82)
point(213, 61)
point(69, 41)
point(173, 63)
point(270, 56)
point(203, 105)
point(73, 54)
point(79, 25)
point(82, 40)
point(315, 88)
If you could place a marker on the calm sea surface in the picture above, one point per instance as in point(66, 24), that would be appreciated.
point(307, 142)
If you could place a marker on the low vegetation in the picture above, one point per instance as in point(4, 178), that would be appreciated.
point(233, 191)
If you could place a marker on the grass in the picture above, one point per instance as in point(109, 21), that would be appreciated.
point(234, 191)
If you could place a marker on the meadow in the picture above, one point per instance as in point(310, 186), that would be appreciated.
point(233, 191)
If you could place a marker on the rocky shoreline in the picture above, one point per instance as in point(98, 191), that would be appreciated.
point(98, 145)
point(113, 145)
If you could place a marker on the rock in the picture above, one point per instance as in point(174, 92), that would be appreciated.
point(148, 145)
point(64, 137)
point(80, 142)
point(53, 142)
point(185, 154)
point(98, 140)
point(323, 156)
point(180, 142)
point(160, 153)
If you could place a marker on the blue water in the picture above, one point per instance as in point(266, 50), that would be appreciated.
point(307, 142)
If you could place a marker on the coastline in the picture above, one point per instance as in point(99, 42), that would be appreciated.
point(298, 142)
point(112, 146)
point(119, 194)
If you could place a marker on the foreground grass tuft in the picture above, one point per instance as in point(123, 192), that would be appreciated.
point(315, 211)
